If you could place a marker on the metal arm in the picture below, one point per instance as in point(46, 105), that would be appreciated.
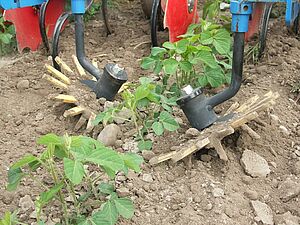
point(13, 4)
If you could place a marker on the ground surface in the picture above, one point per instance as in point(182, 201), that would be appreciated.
point(210, 192)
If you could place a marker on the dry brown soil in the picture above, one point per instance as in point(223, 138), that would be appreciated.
point(176, 194)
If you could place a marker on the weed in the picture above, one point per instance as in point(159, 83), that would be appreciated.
point(149, 111)
point(202, 57)
point(67, 161)
point(7, 37)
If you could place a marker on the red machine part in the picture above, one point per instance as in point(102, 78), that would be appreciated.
point(177, 17)
point(255, 21)
point(26, 22)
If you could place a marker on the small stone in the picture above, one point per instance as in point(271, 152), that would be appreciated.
point(170, 178)
point(247, 180)
point(26, 203)
point(218, 192)
point(121, 178)
point(274, 119)
point(208, 207)
point(123, 192)
point(39, 116)
point(288, 190)
point(123, 115)
point(131, 146)
point(118, 143)
point(23, 84)
point(8, 198)
point(284, 130)
point(205, 158)
point(197, 199)
point(147, 178)
point(108, 105)
point(287, 219)
point(296, 168)
point(252, 195)
point(263, 212)
point(147, 155)
point(108, 136)
point(102, 101)
point(179, 121)
point(297, 152)
point(254, 164)
point(192, 132)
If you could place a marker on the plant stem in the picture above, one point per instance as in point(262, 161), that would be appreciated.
point(92, 186)
point(60, 194)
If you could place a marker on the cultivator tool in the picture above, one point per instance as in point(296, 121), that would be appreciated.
point(176, 15)
point(74, 94)
point(107, 81)
point(260, 19)
point(198, 108)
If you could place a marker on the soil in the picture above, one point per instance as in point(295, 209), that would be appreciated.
point(211, 192)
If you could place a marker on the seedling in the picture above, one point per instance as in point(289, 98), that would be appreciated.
point(7, 37)
point(68, 162)
point(201, 58)
point(149, 111)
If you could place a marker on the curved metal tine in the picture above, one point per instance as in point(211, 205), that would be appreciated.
point(153, 20)
point(105, 17)
point(58, 26)
point(264, 29)
point(42, 18)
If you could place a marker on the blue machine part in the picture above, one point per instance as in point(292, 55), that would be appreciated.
point(292, 8)
point(13, 4)
point(78, 6)
point(241, 12)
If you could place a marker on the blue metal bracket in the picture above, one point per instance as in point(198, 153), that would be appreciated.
point(292, 8)
point(241, 12)
point(13, 4)
point(78, 6)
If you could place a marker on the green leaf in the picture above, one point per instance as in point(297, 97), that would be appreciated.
point(186, 66)
point(170, 66)
point(106, 188)
point(60, 152)
point(74, 170)
point(107, 216)
point(158, 67)
point(145, 80)
point(206, 38)
point(50, 139)
point(222, 41)
point(215, 77)
point(145, 145)
point(125, 207)
point(203, 80)
point(158, 128)
point(168, 121)
point(5, 38)
point(207, 58)
point(47, 196)
point(14, 178)
point(133, 161)
point(169, 45)
point(106, 157)
point(24, 161)
point(148, 63)
point(181, 46)
point(157, 50)
point(141, 92)
point(10, 219)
